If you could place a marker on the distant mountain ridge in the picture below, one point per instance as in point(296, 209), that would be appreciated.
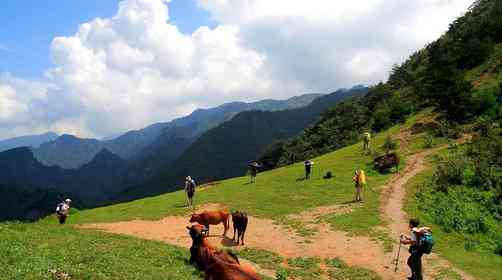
point(93, 183)
point(27, 141)
point(225, 150)
point(71, 152)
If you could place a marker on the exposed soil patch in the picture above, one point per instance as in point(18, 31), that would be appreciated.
point(325, 243)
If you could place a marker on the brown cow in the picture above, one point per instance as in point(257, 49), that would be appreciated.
point(207, 218)
point(216, 264)
point(240, 222)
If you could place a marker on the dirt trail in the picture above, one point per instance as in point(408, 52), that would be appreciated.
point(325, 243)
point(393, 196)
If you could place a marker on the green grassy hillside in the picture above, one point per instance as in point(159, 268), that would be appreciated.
point(276, 193)
point(32, 251)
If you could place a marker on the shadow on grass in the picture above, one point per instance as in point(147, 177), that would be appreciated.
point(228, 242)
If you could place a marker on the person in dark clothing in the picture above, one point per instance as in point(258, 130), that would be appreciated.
point(308, 169)
point(253, 170)
point(190, 189)
point(416, 253)
point(62, 210)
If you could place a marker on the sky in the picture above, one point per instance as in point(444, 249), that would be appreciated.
point(94, 68)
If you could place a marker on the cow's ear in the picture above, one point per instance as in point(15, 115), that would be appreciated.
point(189, 228)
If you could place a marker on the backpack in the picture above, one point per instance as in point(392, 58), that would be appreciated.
point(367, 137)
point(59, 208)
point(191, 185)
point(425, 240)
point(362, 178)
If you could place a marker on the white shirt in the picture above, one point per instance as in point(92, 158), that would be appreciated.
point(65, 209)
point(413, 235)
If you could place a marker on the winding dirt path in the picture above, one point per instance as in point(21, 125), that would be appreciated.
point(325, 243)
point(392, 204)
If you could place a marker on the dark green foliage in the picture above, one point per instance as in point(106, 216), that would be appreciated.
point(498, 249)
point(19, 203)
point(389, 145)
point(465, 196)
point(226, 150)
point(428, 141)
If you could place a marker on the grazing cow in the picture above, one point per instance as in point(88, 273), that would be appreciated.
point(240, 221)
point(216, 264)
point(207, 218)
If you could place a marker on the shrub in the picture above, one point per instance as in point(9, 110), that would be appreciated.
point(282, 274)
point(450, 171)
point(498, 248)
point(428, 141)
point(389, 145)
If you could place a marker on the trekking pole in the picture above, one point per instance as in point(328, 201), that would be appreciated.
point(397, 257)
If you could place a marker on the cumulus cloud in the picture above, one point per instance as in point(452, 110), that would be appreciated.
point(329, 44)
point(135, 68)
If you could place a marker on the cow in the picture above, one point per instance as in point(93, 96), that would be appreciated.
point(217, 265)
point(207, 218)
point(240, 222)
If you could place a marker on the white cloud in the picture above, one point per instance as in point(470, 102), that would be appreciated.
point(135, 68)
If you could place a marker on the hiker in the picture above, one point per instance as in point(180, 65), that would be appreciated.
point(62, 210)
point(416, 252)
point(308, 169)
point(253, 169)
point(190, 189)
point(359, 181)
point(366, 142)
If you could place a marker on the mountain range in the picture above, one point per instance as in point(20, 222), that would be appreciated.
point(71, 152)
point(226, 150)
point(27, 141)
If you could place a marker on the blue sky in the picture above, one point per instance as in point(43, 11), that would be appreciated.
point(28, 27)
point(141, 66)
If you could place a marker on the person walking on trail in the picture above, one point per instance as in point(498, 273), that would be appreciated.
point(359, 181)
point(62, 210)
point(253, 170)
point(190, 189)
point(308, 169)
point(416, 252)
point(366, 142)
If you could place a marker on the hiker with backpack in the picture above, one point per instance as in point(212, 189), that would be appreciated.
point(366, 142)
point(62, 210)
point(253, 170)
point(189, 189)
point(359, 181)
point(421, 242)
point(308, 169)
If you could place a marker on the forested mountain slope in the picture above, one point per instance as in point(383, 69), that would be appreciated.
point(225, 151)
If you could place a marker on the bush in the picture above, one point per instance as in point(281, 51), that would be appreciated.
point(448, 130)
point(457, 211)
point(450, 171)
point(282, 274)
point(498, 248)
point(389, 145)
point(428, 141)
